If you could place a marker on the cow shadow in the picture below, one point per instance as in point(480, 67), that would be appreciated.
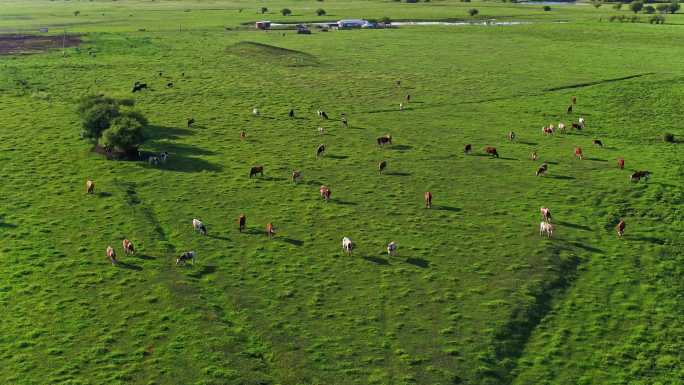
point(562, 177)
point(596, 159)
point(551, 162)
point(218, 237)
point(205, 270)
point(144, 256)
point(103, 194)
point(129, 266)
point(253, 231)
point(377, 260)
point(397, 173)
point(337, 156)
point(528, 143)
point(586, 247)
point(294, 242)
point(502, 158)
point(653, 240)
point(345, 203)
point(400, 147)
point(574, 226)
point(313, 183)
point(420, 262)
point(447, 208)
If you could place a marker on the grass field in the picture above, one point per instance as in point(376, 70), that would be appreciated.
point(474, 296)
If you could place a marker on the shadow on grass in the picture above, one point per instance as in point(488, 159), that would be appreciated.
point(218, 237)
point(586, 247)
point(103, 194)
point(448, 208)
point(337, 156)
point(420, 262)
point(295, 242)
point(182, 157)
point(400, 147)
point(253, 231)
point(653, 240)
point(562, 177)
point(596, 159)
point(574, 226)
point(7, 225)
point(129, 266)
point(397, 173)
point(528, 143)
point(377, 260)
point(343, 202)
point(205, 270)
point(145, 257)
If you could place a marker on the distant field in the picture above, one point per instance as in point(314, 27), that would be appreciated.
point(474, 295)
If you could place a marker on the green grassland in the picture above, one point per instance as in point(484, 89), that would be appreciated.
point(474, 296)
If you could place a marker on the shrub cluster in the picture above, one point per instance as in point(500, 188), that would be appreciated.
point(111, 123)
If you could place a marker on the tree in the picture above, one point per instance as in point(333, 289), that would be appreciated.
point(264, 10)
point(286, 11)
point(386, 20)
point(125, 133)
point(320, 12)
point(617, 6)
point(472, 12)
point(663, 8)
point(546, 8)
point(76, 13)
point(596, 3)
point(649, 9)
point(636, 6)
point(674, 7)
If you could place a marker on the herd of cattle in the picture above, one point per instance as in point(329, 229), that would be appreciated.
point(546, 226)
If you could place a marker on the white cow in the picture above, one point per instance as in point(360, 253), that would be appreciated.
point(199, 226)
point(255, 111)
point(581, 122)
point(392, 248)
point(561, 126)
point(347, 245)
point(546, 228)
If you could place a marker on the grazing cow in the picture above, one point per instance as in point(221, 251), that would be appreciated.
point(392, 249)
point(153, 160)
point(561, 127)
point(511, 136)
point(185, 257)
point(190, 122)
point(620, 228)
point(570, 109)
point(576, 126)
point(291, 114)
point(256, 170)
point(322, 114)
point(270, 230)
point(383, 140)
point(243, 135)
point(428, 199)
point(581, 122)
point(546, 228)
point(345, 123)
point(492, 151)
point(542, 169)
point(533, 156)
point(128, 247)
point(574, 100)
point(164, 156)
point(467, 149)
point(546, 214)
point(398, 83)
point(111, 255)
point(90, 186)
point(578, 153)
point(199, 226)
point(321, 130)
point(408, 98)
point(547, 130)
point(637, 175)
point(255, 111)
point(139, 87)
point(382, 166)
point(325, 193)
point(242, 221)
point(621, 164)
point(347, 245)
point(598, 143)
point(296, 176)
point(169, 84)
point(320, 150)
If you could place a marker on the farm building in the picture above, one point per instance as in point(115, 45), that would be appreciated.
point(352, 23)
point(263, 25)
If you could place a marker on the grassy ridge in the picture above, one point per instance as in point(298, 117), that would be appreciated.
point(474, 296)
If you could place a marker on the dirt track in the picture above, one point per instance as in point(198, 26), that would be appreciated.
point(23, 44)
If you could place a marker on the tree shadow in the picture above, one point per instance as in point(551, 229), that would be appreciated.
point(586, 247)
point(397, 173)
point(182, 157)
point(205, 270)
point(377, 260)
point(562, 177)
point(154, 132)
point(295, 242)
point(128, 266)
point(448, 208)
point(420, 262)
point(574, 225)
point(400, 147)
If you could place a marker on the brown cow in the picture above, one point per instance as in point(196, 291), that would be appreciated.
point(243, 135)
point(467, 149)
point(577, 126)
point(325, 193)
point(574, 100)
point(90, 186)
point(381, 166)
point(111, 255)
point(296, 176)
point(620, 228)
point(256, 170)
point(270, 231)
point(542, 169)
point(128, 247)
point(621, 163)
point(428, 199)
point(491, 151)
point(578, 153)
point(383, 140)
point(242, 221)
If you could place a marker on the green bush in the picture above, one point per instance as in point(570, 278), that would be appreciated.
point(674, 7)
point(669, 137)
point(320, 12)
point(649, 9)
point(546, 8)
point(663, 8)
point(264, 10)
point(612, 18)
point(617, 6)
point(473, 12)
point(125, 133)
point(286, 11)
point(636, 6)
point(104, 122)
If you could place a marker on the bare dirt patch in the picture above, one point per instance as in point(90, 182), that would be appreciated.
point(26, 44)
